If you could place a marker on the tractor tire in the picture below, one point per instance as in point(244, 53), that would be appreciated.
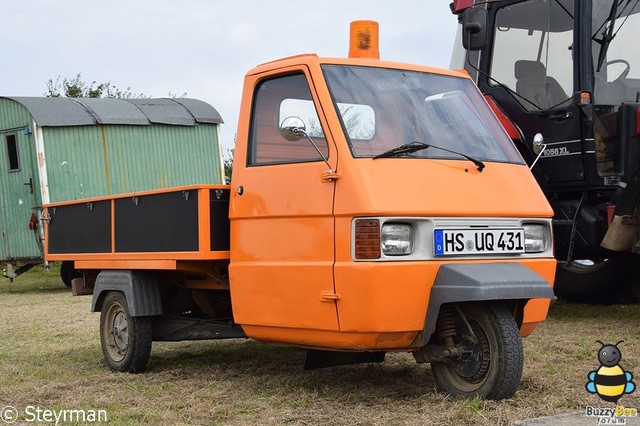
point(604, 282)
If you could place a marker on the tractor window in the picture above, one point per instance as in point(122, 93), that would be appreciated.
point(275, 100)
point(532, 52)
point(12, 152)
point(616, 63)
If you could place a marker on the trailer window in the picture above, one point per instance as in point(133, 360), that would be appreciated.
point(12, 152)
point(275, 100)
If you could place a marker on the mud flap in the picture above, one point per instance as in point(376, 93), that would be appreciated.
point(139, 288)
point(482, 281)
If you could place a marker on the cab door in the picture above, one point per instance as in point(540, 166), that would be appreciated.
point(282, 225)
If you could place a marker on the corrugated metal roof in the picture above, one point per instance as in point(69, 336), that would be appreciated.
point(89, 111)
point(112, 111)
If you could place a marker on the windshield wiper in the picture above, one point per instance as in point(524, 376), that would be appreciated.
point(607, 34)
point(419, 146)
point(479, 164)
point(407, 148)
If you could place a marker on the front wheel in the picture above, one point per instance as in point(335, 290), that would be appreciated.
point(491, 363)
point(126, 340)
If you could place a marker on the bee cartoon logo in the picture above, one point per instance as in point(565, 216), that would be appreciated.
point(610, 381)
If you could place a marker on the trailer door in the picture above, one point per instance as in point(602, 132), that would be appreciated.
point(282, 225)
point(17, 198)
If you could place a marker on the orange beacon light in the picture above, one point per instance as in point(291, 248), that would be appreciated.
point(363, 40)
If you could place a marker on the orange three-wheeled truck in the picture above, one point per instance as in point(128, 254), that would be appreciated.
point(374, 207)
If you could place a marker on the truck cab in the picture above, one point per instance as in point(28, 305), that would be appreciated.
point(374, 207)
point(338, 235)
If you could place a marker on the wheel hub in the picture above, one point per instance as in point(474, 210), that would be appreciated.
point(120, 331)
point(474, 362)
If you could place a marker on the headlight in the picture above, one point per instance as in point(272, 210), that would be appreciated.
point(396, 239)
point(537, 238)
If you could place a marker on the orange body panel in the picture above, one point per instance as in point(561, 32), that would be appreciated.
point(335, 340)
point(381, 306)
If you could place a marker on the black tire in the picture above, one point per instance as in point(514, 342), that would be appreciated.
point(68, 273)
point(608, 281)
point(493, 369)
point(126, 340)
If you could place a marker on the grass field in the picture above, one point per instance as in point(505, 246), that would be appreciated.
point(50, 357)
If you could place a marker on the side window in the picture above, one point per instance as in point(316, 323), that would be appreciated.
point(275, 100)
point(11, 149)
point(359, 121)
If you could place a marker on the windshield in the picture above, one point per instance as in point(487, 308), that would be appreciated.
point(615, 46)
point(384, 108)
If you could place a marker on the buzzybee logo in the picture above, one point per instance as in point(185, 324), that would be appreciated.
point(610, 381)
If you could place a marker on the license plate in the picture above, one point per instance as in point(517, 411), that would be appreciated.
point(478, 241)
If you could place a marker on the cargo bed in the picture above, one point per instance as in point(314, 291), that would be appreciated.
point(144, 230)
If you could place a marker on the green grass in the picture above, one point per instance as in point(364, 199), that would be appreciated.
point(50, 357)
point(35, 280)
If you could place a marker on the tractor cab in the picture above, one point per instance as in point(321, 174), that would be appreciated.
point(568, 70)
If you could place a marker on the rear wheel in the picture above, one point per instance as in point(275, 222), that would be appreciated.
point(491, 363)
point(126, 340)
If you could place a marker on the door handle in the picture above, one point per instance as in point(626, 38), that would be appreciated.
point(30, 184)
point(562, 115)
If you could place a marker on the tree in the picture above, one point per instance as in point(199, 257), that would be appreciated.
point(76, 88)
point(228, 164)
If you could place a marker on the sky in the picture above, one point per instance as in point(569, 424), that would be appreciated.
point(201, 48)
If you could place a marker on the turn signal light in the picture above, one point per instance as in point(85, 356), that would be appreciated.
point(367, 236)
point(363, 40)
point(585, 98)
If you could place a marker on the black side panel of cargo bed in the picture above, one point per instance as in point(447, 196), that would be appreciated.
point(220, 230)
point(166, 222)
point(80, 228)
point(156, 222)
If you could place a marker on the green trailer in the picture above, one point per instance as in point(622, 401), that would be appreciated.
point(63, 149)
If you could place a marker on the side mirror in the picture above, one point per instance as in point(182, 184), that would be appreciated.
point(474, 27)
point(538, 143)
point(292, 128)
point(538, 148)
